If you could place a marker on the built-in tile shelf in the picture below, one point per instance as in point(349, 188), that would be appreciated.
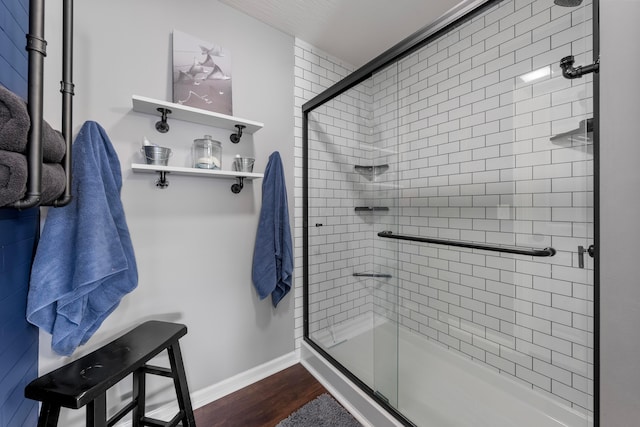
point(206, 173)
point(194, 115)
point(370, 172)
point(371, 209)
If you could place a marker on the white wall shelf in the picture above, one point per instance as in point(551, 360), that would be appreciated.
point(169, 110)
point(194, 115)
point(207, 173)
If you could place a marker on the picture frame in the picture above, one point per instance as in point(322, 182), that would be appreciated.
point(201, 74)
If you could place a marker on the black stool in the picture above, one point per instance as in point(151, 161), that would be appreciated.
point(86, 380)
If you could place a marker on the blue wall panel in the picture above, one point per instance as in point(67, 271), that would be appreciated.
point(14, 24)
point(19, 339)
point(18, 237)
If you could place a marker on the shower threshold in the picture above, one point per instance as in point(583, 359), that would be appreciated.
point(438, 387)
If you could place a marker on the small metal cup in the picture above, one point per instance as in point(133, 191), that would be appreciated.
point(155, 155)
point(243, 164)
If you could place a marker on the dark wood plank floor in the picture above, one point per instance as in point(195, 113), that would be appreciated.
point(262, 404)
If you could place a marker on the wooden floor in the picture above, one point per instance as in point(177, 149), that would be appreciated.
point(262, 404)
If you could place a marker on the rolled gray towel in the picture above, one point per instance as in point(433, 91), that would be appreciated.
point(53, 182)
point(53, 146)
point(14, 122)
point(14, 129)
point(13, 177)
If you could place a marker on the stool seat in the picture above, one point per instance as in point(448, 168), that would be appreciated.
point(84, 382)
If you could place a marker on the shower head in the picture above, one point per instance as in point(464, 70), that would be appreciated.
point(568, 3)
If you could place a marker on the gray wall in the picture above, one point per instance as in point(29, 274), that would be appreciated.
point(194, 240)
point(619, 214)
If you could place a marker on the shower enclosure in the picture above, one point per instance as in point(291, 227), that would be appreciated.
point(449, 219)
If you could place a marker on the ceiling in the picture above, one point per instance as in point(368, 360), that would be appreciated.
point(355, 31)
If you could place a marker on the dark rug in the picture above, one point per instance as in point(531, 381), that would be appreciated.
point(322, 411)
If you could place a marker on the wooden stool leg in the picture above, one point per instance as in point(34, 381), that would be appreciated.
point(49, 414)
point(180, 383)
point(97, 412)
point(139, 393)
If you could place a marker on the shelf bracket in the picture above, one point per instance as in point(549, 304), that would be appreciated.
point(162, 182)
point(162, 126)
point(235, 137)
point(236, 188)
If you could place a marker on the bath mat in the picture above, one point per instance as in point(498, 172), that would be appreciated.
point(320, 412)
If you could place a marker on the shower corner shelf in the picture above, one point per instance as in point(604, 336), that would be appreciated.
point(582, 134)
point(370, 172)
point(371, 209)
point(207, 173)
point(170, 110)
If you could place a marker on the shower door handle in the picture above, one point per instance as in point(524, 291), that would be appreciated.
point(581, 250)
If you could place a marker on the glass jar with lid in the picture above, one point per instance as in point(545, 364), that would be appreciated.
point(206, 153)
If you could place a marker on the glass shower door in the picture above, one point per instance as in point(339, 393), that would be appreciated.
point(351, 286)
point(495, 220)
point(381, 191)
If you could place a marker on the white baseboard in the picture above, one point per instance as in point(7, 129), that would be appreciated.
point(216, 391)
point(243, 379)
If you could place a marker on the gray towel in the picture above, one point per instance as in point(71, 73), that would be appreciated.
point(14, 122)
point(13, 177)
point(53, 145)
point(14, 129)
point(53, 182)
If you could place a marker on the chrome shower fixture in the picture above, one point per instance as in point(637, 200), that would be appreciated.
point(568, 3)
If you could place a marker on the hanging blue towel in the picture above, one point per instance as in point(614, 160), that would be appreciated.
point(273, 255)
point(84, 262)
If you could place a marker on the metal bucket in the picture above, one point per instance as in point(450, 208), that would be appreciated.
point(243, 164)
point(155, 155)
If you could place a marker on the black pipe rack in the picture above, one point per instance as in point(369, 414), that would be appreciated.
point(37, 50)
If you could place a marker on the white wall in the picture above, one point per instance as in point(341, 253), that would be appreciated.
point(194, 240)
point(619, 214)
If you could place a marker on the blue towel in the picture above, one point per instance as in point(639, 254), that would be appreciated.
point(273, 256)
point(84, 262)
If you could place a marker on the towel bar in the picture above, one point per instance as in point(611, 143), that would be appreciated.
point(546, 252)
point(36, 48)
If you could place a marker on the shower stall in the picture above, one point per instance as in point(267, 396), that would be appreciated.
point(449, 224)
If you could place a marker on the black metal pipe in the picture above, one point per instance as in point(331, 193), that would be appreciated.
point(66, 88)
point(37, 50)
point(546, 252)
point(571, 72)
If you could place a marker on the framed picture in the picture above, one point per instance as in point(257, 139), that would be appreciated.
point(201, 74)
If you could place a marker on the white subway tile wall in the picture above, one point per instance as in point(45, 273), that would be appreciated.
point(464, 125)
point(315, 71)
